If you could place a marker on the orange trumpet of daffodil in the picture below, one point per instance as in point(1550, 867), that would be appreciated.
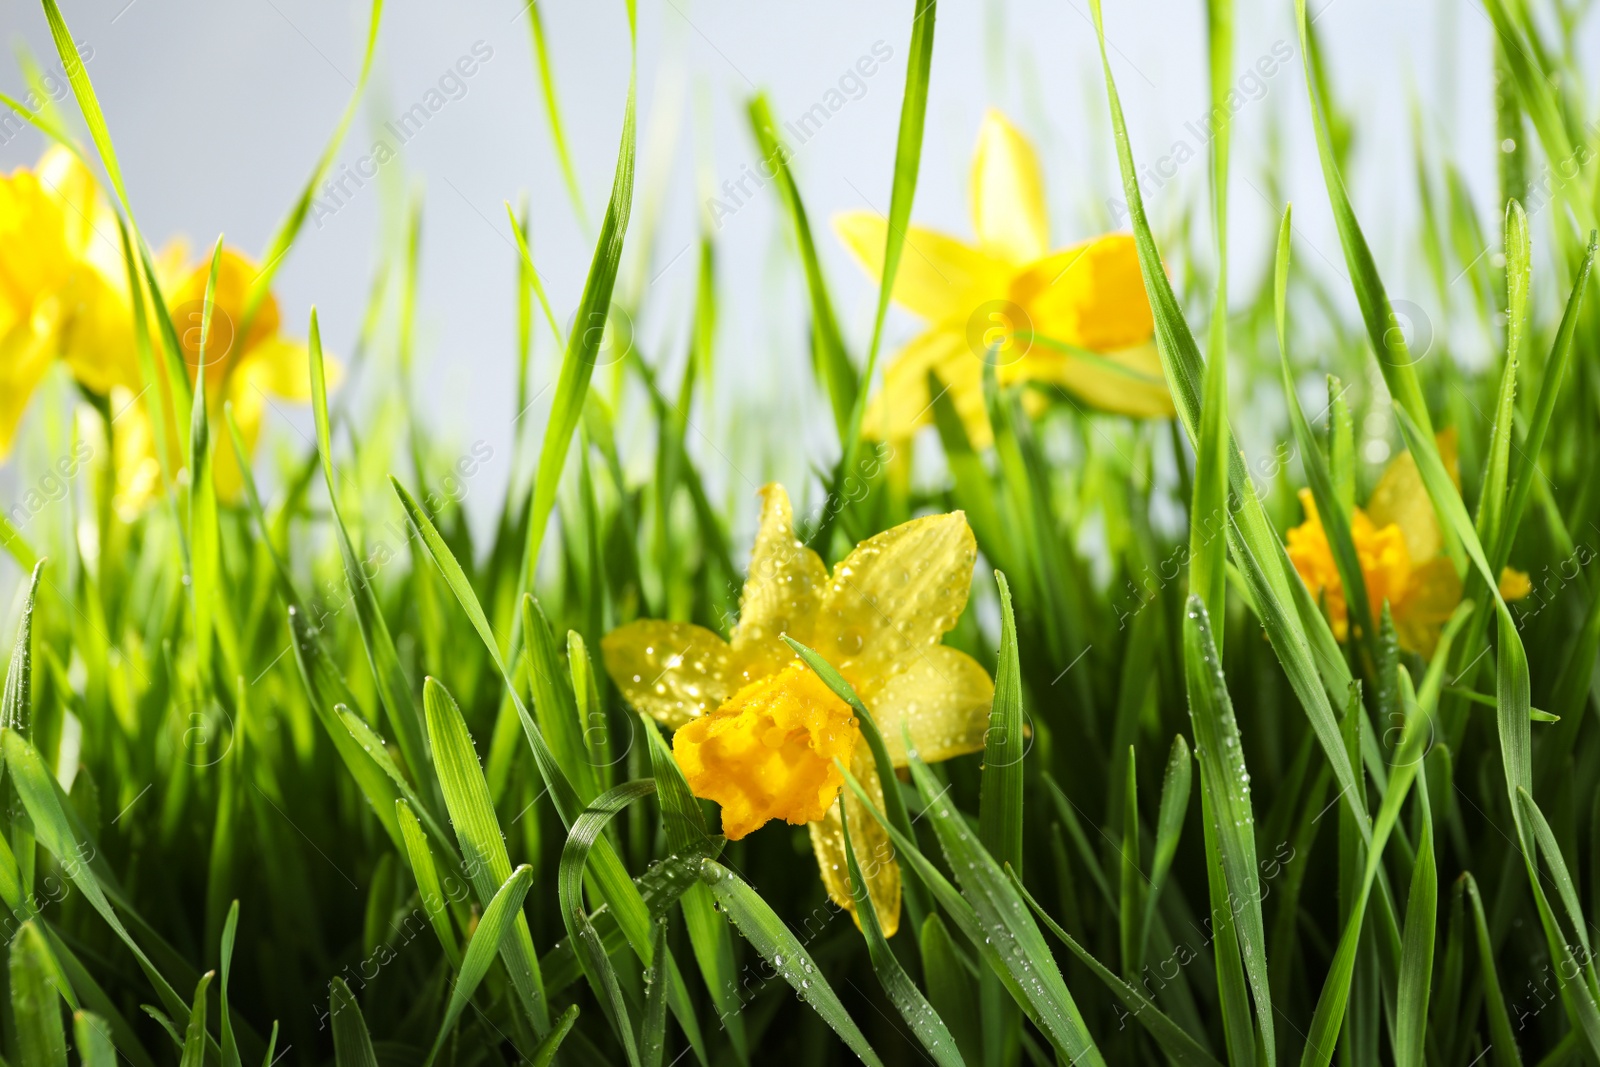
point(1400, 548)
point(758, 732)
point(1075, 318)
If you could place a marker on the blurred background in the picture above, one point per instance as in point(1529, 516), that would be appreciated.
point(219, 110)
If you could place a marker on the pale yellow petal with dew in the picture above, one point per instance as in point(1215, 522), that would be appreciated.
point(903, 405)
point(940, 278)
point(941, 697)
point(893, 597)
point(874, 851)
point(672, 671)
point(1008, 206)
point(783, 591)
point(1091, 295)
point(1401, 498)
point(1127, 381)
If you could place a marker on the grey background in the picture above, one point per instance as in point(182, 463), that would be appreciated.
point(219, 110)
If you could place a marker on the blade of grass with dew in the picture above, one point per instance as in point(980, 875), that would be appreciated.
point(1225, 783)
point(1300, 637)
point(394, 689)
point(653, 1026)
point(194, 1034)
point(616, 888)
point(1325, 491)
point(1492, 494)
point(1208, 562)
point(583, 346)
point(952, 987)
point(431, 895)
point(710, 937)
point(831, 362)
point(483, 849)
point(1551, 385)
point(1417, 946)
point(1018, 947)
point(37, 791)
point(1175, 785)
point(660, 887)
point(592, 956)
point(1179, 1046)
point(36, 1005)
point(772, 939)
point(289, 229)
point(903, 993)
point(489, 938)
point(229, 1042)
point(554, 702)
point(352, 1045)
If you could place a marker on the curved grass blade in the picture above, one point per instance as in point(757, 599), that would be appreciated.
point(352, 1046)
point(1000, 805)
point(545, 1053)
point(394, 690)
point(502, 914)
point(770, 937)
point(1179, 1046)
point(914, 1008)
point(1417, 944)
point(230, 1043)
point(194, 1035)
point(483, 848)
point(653, 1027)
point(581, 932)
point(1175, 785)
point(93, 1039)
point(1503, 1042)
point(36, 1024)
point(16, 705)
point(427, 875)
point(1225, 785)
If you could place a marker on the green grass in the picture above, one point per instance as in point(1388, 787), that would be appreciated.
point(333, 776)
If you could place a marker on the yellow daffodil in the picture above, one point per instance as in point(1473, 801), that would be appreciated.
point(63, 291)
point(757, 732)
point(1076, 318)
point(248, 372)
point(1399, 545)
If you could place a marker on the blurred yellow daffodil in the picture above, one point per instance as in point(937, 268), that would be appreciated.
point(1400, 548)
point(63, 290)
point(1076, 318)
point(757, 732)
point(248, 371)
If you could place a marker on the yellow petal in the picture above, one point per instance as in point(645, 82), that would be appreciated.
point(894, 597)
point(1514, 584)
point(236, 273)
point(1008, 209)
point(1433, 593)
point(939, 278)
point(874, 851)
point(942, 699)
point(1127, 381)
point(783, 591)
point(133, 454)
point(282, 368)
point(1401, 498)
point(904, 406)
point(1091, 295)
point(24, 358)
point(768, 752)
point(671, 671)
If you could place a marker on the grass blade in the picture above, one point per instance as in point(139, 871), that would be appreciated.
point(500, 917)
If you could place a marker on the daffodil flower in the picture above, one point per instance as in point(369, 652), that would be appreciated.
point(757, 732)
point(63, 291)
point(1076, 318)
point(1400, 548)
point(249, 371)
